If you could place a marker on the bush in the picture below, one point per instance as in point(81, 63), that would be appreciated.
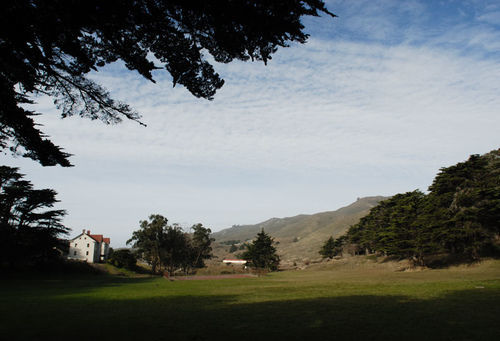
point(123, 259)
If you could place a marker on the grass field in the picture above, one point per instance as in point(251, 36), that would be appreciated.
point(328, 302)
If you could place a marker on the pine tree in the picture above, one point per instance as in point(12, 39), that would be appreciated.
point(328, 248)
point(458, 218)
point(29, 228)
point(261, 252)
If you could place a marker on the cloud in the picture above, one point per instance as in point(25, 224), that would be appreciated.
point(323, 123)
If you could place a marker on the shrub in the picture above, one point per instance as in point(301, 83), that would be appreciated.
point(123, 259)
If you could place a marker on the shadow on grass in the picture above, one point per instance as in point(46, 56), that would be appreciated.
point(461, 315)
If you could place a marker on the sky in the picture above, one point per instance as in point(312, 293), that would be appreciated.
point(375, 103)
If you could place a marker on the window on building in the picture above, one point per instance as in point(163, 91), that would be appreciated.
point(74, 254)
point(87, 253)
point(88, 245)
point(76, 244)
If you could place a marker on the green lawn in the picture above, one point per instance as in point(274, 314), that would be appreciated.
point(332, 303)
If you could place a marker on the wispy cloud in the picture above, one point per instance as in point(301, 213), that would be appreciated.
point(372, 112)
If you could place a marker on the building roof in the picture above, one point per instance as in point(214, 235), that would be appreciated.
point(84, 234)
point(97, 237)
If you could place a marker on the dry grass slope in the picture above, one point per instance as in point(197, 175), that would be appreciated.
point(300, 237)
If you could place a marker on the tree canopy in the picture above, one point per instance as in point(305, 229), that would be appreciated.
point(29, 228)
point(261, 253)
point(168, 247)
point(332, 247)
point(48, 47)
point(459, 217)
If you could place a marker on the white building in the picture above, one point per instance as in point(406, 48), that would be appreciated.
point(92, 248)
point(234, 261)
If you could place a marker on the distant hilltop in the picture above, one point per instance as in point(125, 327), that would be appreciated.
point(299, 237)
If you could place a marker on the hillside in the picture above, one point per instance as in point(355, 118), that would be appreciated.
point(300, 237)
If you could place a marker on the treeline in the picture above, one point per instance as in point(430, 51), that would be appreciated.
point(459, 219)
point(168, 248)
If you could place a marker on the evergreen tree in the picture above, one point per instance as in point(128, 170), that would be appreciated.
point(464, 206)
point(261, 252)
point(459, 217)
point(29, 233)
point(328, 248)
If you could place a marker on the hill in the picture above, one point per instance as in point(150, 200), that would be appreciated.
point(299, 237)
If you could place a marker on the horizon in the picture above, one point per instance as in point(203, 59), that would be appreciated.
point(374, 104)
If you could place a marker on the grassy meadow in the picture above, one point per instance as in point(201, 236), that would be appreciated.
point(326, 302)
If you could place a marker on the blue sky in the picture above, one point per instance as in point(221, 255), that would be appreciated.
point(375, 103)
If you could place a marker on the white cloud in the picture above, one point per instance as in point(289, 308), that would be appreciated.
point(319, 126)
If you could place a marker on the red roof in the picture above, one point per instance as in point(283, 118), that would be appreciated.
point(107, 240)
point(97, 237)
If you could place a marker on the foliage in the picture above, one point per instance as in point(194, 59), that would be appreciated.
point(166, 247)
point(327, 250)
point(459, 217)
point(48, 47)
point(28, 231)
point(332, 247)
point(149, 240)
point(261, 253)
point(233, 248)
point(201, 245)
point(123, 259)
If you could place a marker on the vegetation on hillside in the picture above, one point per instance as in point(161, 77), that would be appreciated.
point(301, 236)
point(459, 218)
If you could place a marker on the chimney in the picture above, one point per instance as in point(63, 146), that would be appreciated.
point(88, 231)
point(83, 231)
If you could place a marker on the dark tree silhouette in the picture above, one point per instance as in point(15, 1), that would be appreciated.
point(261, 252)
point(28, 231)
point(47, 47)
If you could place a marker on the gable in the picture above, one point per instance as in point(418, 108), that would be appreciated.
point(85, 237)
